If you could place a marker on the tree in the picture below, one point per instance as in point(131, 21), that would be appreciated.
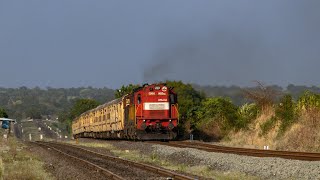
point(189, 99)
point(263, 96)
point(126, 90)
point(81, 106)
point(34, 113)
point(3, 113)
point(220, 110)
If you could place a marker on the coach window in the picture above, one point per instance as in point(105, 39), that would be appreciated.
point(139, 98)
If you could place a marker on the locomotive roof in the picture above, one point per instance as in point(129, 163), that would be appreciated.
point(146, 85)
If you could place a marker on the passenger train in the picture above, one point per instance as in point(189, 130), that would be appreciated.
point(150, 112)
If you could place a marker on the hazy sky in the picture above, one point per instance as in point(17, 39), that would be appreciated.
point(72, 43)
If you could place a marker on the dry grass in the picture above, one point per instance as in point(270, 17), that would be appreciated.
point(252, 138)
point(31, 169)
point(18, 163)
point(301, 136)
point(93, 144)
point(1, 169)
point(304, 135)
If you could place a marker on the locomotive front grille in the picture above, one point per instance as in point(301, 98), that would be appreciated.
point(157, 113)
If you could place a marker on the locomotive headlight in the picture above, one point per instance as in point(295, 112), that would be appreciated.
point(144, 120)
point(170, 120)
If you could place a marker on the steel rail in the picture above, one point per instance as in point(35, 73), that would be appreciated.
point(109, 173)
point(156, 170)
point(307, 156)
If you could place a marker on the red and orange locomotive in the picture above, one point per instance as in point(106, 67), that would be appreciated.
point(149, 113)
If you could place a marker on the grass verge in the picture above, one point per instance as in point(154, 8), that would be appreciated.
point(18, 163)
point(1, 169)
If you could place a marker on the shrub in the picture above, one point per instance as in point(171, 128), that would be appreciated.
point(285, 112)
point(246, 114)
point(268, 125)
point(220, 110)
point(308, 101)
point(208, 131)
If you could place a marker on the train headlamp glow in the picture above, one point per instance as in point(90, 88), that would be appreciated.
point(144, 120)
point(170, 120)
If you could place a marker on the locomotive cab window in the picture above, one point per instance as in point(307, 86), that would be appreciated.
point(139, 98)
point(173, 99)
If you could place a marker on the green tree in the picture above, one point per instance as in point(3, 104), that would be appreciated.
point(3, 113)
point(81, 106)
point(189, 99)
point(126, 90)
point(220, 110)
point(34, 113)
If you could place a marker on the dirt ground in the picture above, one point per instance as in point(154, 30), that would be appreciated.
point(63, 168)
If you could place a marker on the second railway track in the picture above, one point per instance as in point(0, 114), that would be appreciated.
point(307, 156)
point(113, 167)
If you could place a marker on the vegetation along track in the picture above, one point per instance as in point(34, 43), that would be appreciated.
point(113, 167)
point(307, 156)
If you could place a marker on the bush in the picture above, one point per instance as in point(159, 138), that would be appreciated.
point(246, 114)
point(308, 101)
point(208, 131)
point(189, 101)
point(268, 125)
point(3, 113)
point(220, 110)
point(285, 112)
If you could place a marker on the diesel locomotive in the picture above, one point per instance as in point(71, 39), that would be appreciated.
point(150, 112)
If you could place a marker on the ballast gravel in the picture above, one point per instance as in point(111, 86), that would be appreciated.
point(261, 167)
point(265, 168)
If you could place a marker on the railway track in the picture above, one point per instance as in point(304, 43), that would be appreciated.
point(306, 156)
point(112, 167)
